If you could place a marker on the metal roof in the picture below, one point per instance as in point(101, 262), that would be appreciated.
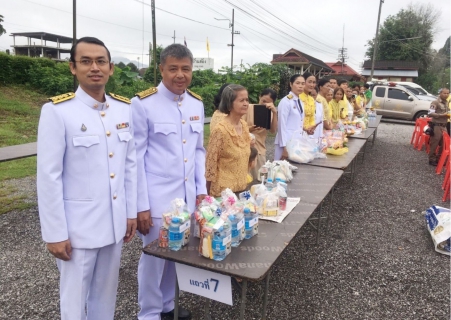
point(391, 73)
point(44, 36)
point(391, 64)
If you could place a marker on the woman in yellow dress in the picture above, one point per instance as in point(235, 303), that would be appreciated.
point(308, 102)
point(229, 147)
point(338, 106)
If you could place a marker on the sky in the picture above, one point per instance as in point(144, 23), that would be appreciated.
point(265, 27)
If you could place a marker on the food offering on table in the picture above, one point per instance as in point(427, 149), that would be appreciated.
point(336, 142)
point(270, 198)
point(280, 169)
point(175, 231)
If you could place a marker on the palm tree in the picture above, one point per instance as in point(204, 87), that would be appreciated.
point(2, 30)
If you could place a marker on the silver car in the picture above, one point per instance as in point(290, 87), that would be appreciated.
point(394, 101)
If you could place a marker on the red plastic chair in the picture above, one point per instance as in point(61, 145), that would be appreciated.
point(416, 131)
point(447, 193)
point(447, 175)
point(445, 153)
point(422, 138)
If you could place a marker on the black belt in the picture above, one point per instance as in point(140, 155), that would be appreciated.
point(439, 124)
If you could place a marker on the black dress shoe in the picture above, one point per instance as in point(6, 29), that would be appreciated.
point(183, 314)
point(433, 163)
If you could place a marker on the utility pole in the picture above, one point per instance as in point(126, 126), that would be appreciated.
point(154, 39)
point(150, 53)
point(375, 40)
point(342, 53)
point(231, 25)
point(174, 36)
point(74, 32)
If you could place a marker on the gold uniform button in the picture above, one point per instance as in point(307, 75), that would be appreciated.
point(186, 160)
point(184, 141)
point(112, 175)
point(107, 105)
point(183, 121)
point(102, 114)
point(111, 155)
point(96, 105)
point(114, 197)
point(108, 133)
point(186, 179)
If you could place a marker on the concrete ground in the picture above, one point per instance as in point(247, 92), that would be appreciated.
point(376, 262)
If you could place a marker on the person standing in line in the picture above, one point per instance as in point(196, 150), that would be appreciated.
point(290, 117)
point(368, 96)
point(228, 150)
point(217, 115)
point(323, 90)
point(333, 83)
point(267, 97)
point(338, 107)
point(169, 135)
point(343, 83)
point(308, 102)
point(439, 112)
point(86, 184)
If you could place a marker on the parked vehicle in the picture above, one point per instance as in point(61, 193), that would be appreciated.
point(395, 101)
point(417, 87)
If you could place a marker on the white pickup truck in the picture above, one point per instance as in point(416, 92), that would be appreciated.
point(394, 101)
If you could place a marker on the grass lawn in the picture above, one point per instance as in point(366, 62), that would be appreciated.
point(19, 117)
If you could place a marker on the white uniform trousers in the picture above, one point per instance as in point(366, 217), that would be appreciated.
point(278, 152)
point(89, 279)
point(156, 280)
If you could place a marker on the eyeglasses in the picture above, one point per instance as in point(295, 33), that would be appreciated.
point(88, 62)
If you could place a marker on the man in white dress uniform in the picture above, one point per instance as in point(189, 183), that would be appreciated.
point(169, 135)
point(87, 184)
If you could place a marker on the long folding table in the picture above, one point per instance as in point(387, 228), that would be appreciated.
point(254, 258)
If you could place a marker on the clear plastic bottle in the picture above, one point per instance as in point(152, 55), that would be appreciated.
point(227, 236)
point(175, 236)
point(269, 185)
point(236, 237)
point(218, 247)
point(250, 219)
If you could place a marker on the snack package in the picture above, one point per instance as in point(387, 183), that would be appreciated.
point(179, 229)
point(300, 149)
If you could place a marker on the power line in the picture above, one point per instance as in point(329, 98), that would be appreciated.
point(183, 16)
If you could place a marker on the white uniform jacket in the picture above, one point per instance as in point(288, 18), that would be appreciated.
point(86, 175)
point(169, 136)
point(290, 114)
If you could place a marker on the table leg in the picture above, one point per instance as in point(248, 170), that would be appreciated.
point(243, 299)
point(364, 151)
point(319, 222)
point(265, 297)
point(374, 136)
point(330, 206)
point(207, 309)
point(176, 302)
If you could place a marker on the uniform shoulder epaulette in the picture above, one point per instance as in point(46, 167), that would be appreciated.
point(120, 98)
point(62, 97)
point(146, 93)
point(290, 96)
point(195, 95)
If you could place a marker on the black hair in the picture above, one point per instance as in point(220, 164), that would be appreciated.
point(366, 85)
point(268, 91)
point(217, 98)
point(341, 81)
point(307, 74)
point(176, 50)
point(253, 155)
point(339, 89)
point(91, 40)
point(316, 89)
point(356, 85)
point(294, 77)
point(322, 82)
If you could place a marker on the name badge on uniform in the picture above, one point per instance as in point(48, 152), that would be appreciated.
point(122, 125)
point(194, 118)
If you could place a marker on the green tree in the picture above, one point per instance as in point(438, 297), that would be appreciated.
point(2, 30)
point(132, 67)
point(149, 75)
point(120, 65)
point(417, 20)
